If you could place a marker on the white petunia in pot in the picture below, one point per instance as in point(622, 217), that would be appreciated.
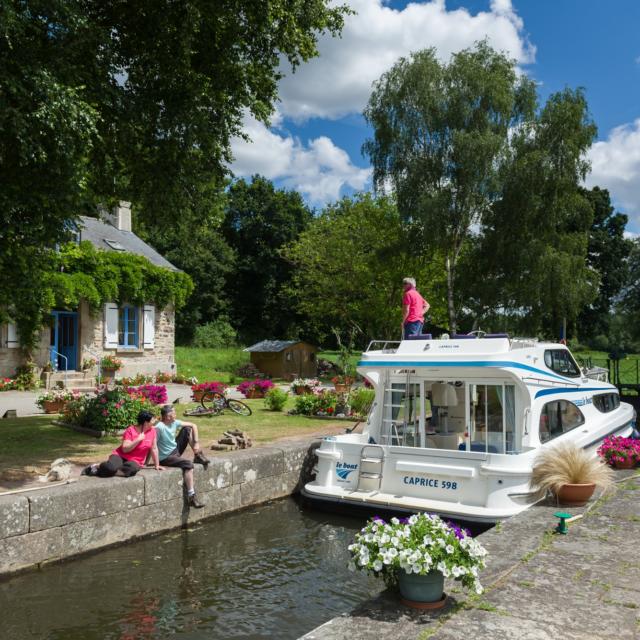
point(417, 553)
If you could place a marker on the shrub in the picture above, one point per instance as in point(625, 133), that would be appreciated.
point(154, 393)
point(306, 404)
point(109, 410)
point(215, 335)
point(26, 377)
point(418, 544)
point(275, 399)
point(361, 400)
point(600, 342)
point(566, 463)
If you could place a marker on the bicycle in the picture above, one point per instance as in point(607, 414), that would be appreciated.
point(216, 403)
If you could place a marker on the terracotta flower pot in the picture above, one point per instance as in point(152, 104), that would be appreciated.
point(108, 374)
point(341, 387)
point(629, 463)
point(253, 394)
point(197, 395)
point(575, 495)
point(53, 406)
point(300, 391)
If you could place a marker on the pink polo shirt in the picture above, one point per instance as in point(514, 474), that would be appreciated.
point(416, 305)
point(140, 451)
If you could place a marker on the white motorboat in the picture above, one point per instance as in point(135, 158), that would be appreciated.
point(457, 423)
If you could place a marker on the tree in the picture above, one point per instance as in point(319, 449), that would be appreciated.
point(440, 137)
point(607, 254)
point(532, 247)
point(102, 100)
point(630, 301)
point(260, 220)
point(349, 265)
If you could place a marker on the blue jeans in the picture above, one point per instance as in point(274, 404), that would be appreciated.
point(412, 328)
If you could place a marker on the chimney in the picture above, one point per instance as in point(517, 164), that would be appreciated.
point(120, 216)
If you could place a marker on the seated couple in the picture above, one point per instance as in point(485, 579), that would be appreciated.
point(158, 440)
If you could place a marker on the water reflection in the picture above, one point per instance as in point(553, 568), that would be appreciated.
point(274, 571)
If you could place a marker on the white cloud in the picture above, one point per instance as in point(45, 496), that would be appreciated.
point(339, 81)
point(615, 165)
point(319, 170)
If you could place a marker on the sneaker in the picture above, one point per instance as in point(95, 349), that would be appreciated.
point(194, 502)
point(90, 470)
point(200, 458)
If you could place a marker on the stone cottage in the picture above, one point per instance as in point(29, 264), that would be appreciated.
point(141, 336)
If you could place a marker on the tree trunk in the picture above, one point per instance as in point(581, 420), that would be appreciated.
point(451, 276)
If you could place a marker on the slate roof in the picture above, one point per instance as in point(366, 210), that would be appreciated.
point(273, 346)
point(98, 232)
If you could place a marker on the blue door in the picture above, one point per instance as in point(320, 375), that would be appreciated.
point(64, 340)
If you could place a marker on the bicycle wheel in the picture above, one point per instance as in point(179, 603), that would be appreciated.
point(239, 407)
point(213, 401)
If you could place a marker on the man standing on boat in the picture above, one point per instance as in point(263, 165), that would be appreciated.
point(414, 306)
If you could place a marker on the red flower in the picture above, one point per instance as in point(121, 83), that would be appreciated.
point(330, 410)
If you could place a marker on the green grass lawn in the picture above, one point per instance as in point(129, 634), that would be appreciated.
point(29, 445)
point(210, 364)
point(629, 367)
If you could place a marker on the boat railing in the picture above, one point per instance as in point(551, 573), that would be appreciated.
point(385, 346)
point(552, 383)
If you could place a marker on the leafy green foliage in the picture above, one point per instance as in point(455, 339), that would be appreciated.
point(259, 221)
point(215, 335)
point(349, 268)
point(275, 399)
point(108, 411)
point(361, 400)
point(441, 131)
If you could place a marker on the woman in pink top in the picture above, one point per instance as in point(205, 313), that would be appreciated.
point(414, 306)
point(137, 441)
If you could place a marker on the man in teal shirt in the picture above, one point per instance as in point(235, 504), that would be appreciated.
point(171, 447)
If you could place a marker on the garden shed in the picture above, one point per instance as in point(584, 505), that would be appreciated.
point(285, 358)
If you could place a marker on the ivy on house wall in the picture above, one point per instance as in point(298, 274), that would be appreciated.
point(81, 272)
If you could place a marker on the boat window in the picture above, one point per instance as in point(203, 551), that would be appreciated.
point(558, 417)
point(493, 418)
point(562, 362)
point(606, 402)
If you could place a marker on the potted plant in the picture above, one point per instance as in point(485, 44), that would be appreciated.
point(54, 401)
point(109, 365)
point(255, 388)
point(300, 386)
point(416, 554)
point(199, 389)
point(570, 473)
point(88, 363)
point(619, 452)
point(342, 383)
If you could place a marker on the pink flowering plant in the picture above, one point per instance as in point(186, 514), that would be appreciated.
point(246, 387)
point(7, 384)
point(618, 450)
point(418, 544)
point(110, 410)
point(155, 393)
point(111, 362)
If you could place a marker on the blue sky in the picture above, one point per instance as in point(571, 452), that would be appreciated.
point(314, 143)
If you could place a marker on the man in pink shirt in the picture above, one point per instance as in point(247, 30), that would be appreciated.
point(414, 306)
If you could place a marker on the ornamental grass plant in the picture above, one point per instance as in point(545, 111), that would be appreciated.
point(418, 544)
point(566, 463)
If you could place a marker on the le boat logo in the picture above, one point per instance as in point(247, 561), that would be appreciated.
point(343, 469)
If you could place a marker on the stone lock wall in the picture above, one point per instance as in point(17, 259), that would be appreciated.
point(59, 522)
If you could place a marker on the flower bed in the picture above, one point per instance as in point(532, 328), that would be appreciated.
point(418, 544)
point(620, 452)
point(255, 388)
point(109, 411)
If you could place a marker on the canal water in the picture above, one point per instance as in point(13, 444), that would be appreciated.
point(276, 571)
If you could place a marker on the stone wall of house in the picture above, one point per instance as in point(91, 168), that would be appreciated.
point(91, 345)
point(60, 522)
